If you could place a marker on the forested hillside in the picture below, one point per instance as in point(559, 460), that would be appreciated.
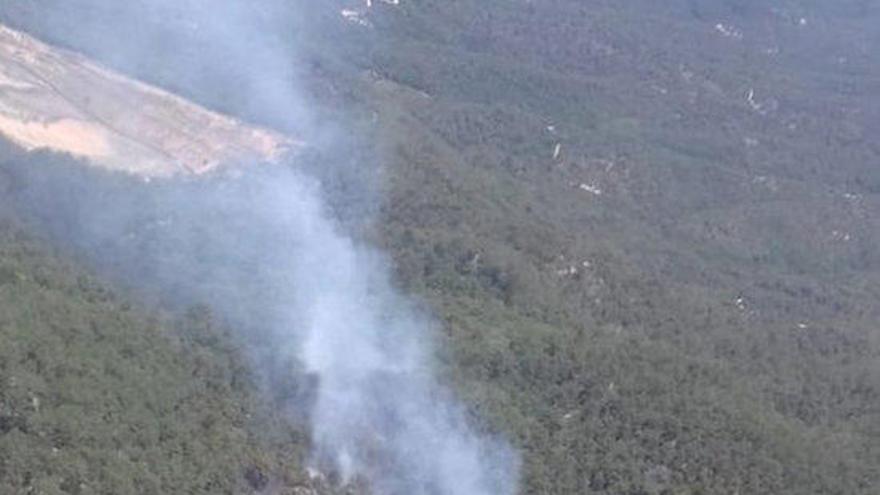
point(649, 230)
point(99, 397)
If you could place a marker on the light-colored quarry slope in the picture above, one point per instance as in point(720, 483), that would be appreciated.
point(54, 99)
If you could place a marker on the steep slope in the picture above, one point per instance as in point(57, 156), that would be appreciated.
point(649, 228)
point(60, 101)
point(651, 238)
point(97, 397)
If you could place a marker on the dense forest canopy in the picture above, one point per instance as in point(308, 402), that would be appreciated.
point(648, 231)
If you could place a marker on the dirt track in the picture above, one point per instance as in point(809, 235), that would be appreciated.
point(58, 100)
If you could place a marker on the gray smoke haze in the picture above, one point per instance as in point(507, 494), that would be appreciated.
point(264, 251)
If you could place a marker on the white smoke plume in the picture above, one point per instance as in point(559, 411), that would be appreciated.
point(378, 411)
point(264, 250)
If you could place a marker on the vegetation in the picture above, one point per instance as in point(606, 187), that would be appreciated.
point(706, 324)
point(98, 397)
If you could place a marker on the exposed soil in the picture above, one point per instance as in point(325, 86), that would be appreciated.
point(58, 100)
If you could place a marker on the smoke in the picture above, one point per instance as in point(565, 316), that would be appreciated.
point(264, 250)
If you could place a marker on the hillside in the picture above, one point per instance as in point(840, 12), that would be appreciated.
point(60, 101)
point(99, 397)
point(649, 230)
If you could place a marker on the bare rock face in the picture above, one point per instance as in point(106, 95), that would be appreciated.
point(54, 99)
